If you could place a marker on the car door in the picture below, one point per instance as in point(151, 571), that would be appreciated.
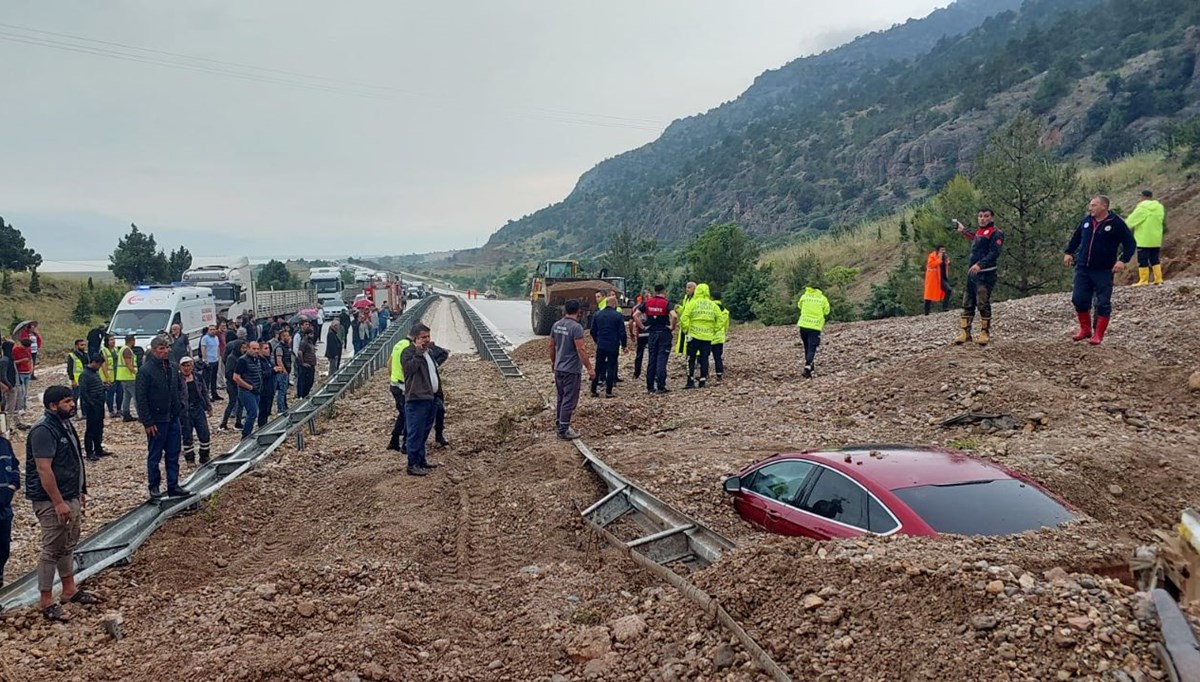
point(765, 491)
point(831, 506)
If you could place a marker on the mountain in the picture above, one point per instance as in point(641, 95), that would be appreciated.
point(859, 130)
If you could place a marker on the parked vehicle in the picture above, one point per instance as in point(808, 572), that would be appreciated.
point(327, 283)
point(230, 281)
point(333, 309)
point(150, 310)
point(890, 489)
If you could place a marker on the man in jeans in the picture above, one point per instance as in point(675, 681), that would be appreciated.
point(281, 357)
point(210, 353)
point(233, 352)
point(248, 377)
point(127, 371)
point(159, 407)
point(56, 484)
point(568, 357)
point(421, 387)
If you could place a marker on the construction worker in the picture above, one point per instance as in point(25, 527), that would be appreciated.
point(76, 361)
point(681, 342)
point(814, 308)
point(718, 344)
point(981, 275)
point(108, 372)
point(1093, 252)
point(937, 289)
point(396, 385)
point(699, 321)
point(1147, 222)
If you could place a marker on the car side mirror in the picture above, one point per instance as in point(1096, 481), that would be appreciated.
point(733, 484)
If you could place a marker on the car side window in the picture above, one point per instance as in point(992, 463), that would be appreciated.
point(780, 481)
point(878, 518)
point(836, 497)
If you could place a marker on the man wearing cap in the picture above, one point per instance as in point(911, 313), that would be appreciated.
point(159, 407)
point(91, 402)
point(1147, 221)
point(56, 484)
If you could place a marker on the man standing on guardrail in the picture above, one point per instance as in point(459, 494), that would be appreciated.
point(568, 357)
point(421, 386)
point(56, 484)
point(159, 407)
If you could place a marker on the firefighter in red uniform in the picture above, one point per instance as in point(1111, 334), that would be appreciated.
point(981, 276)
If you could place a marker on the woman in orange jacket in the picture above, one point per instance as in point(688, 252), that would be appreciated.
point(937, 285)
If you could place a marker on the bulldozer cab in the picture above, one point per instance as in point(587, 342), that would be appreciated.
point(559, 269)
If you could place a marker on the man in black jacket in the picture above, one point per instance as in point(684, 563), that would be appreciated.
point(334, 341)
point(10, 483)
point(91, 401)
point(981, 276)
point(1093, 251)
point(56, 484)
point(77, 359)
point(421, 387)
point(159, 406)
point(197, 408)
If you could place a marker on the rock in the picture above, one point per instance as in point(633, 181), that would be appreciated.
point(306, 609)
point(830, 615)
point(983, 622)
point(723, 656)
point(1056, 574)
point(995, 587)
point(1115, 490)
point(811, 602)
point(331, 616)
point(1194, 381)
point(600, 667)
point(265, 591)
point(1080, 622)
point(628, 627)
point(346, 676)
point(1026, 581)
point(589, 643)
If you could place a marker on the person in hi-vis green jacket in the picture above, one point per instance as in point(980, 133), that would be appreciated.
point(681, 344)
point(700, 319)
point(718, 344)
point(1147, 221)
point(814, 308)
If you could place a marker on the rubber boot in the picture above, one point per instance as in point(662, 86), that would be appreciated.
point(1101, 327)
point(1085, 327)
point(985, 325)
point(1143, 277)
point(189, 453)
point(691, 383)
point(964, 334)
point(204, 449)
point(1157, 275)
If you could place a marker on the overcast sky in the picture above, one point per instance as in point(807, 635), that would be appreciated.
point(359, 127)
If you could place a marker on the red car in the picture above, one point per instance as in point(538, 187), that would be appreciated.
point(885, 489)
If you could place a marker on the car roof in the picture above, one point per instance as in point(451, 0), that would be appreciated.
point(893, 467)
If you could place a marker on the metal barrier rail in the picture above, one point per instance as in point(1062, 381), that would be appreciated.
point(116, 541)
point(486, 343)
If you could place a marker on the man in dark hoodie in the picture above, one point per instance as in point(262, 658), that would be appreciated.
point(159, 407)
point(91, 401)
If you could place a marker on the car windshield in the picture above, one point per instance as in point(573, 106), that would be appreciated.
point(327, 286)
point(139, 322)
point(997, 507)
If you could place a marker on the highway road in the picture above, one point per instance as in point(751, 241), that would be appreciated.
point(509, 318)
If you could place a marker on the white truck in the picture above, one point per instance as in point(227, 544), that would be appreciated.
point(328, 285)
point(150, 310)
point(231, 282)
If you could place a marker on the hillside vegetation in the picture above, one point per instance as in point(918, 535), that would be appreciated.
point(827, 141)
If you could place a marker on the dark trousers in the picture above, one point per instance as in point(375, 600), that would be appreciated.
point(979, 294)
point(210, 377)
point(945, 303)
point(1148, 256)
point(334, 364)
point(439, 421)
point(642, 342)
point(195, 421)
point(305, 376)
point(398, 426)
point(698, 352)
point(1093, 286)
point(566, 388)
point(606, 369)
point(93, 435)
point(165, 445)
point(112, 396)
point(811, 338)
point(265, 398)
point(234, 407)
point(250, 404)
point(659, 346)
point(5, 539)
point(418, 421)
point(718, 354)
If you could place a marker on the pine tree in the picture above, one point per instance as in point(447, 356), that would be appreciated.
point(6, 283)
point(82, 314)
point(35, 282)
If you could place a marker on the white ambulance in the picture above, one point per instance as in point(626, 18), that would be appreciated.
point(150, 310)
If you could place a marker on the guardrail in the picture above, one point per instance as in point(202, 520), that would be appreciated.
point(486, 343)
point(114, 543)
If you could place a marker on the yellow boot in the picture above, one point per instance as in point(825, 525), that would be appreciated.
point(985, 325)
point(1143, 277)
point(1158, 275)
point(964, 334)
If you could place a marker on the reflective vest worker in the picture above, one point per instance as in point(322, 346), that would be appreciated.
point(718, 344)
point(935, 282)
point(814, 308)
point(396, 375)
point(1148, 221)
point(700, 319)
point(681, 344)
